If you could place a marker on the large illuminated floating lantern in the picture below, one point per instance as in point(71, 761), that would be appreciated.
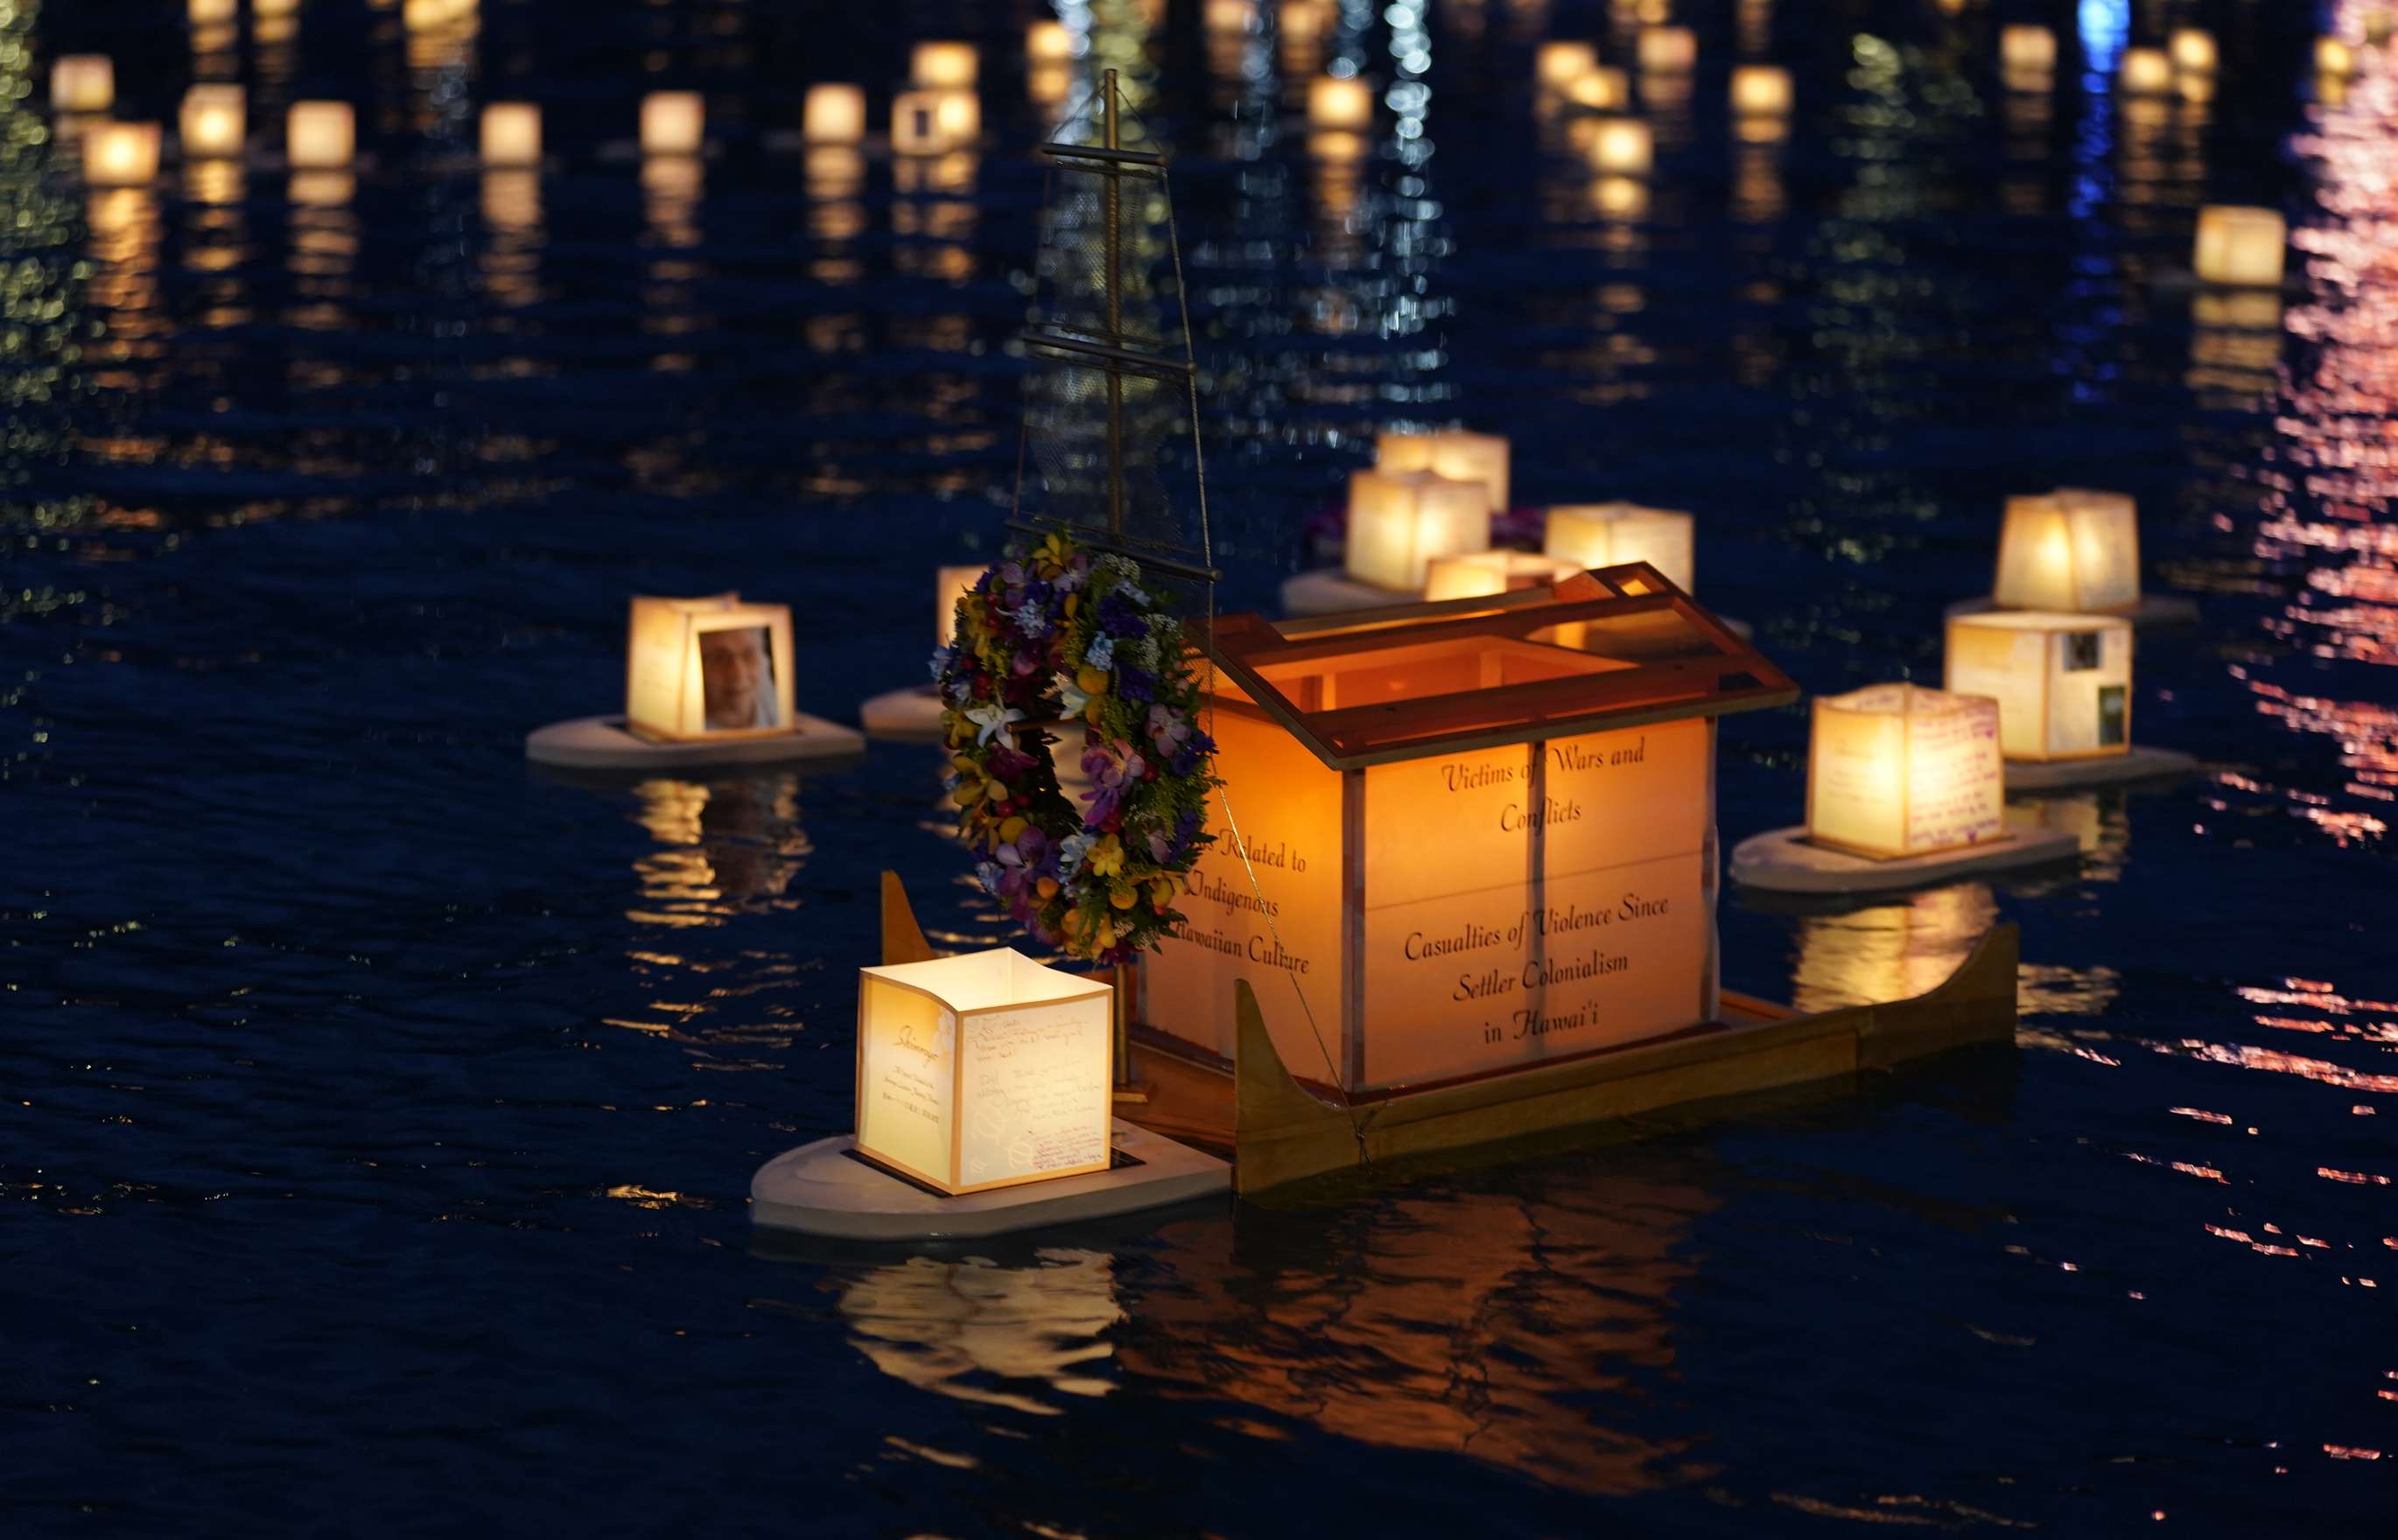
point(2064, 687)
point(1606, 535)
point(1452, 452)
point(1430, 494)
point(2071, 550)
point(915, 712)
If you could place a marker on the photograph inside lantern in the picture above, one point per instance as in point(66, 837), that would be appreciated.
point(708, 667)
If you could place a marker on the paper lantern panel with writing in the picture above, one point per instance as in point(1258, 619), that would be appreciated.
point(1898, 771)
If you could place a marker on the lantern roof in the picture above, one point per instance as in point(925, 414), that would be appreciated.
point(1618, 646)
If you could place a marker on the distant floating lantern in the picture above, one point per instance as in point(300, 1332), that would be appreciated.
point(1557, 65)
point(83, 83)
point(673, 122)
point(1622, 146)
point(2333, 58)
point(984, 1070)
point(950, 584)
point(1603, 89)
point(274, 9)
point(1482, 574)
point(1668, 50)
point(2027, 50)
point(1609, 534)
point(944, 66)
point(121, 155)
point(708, 668)
point(211, 13)
point(214, 122)
point(1229, 18)
point(2192, 49)
point(321, 189)
point(835, 114)
point(1342, 103)
point(2239, 245)
point(1452, 452)
point(319, 136)
point(1896, 770)
point(1048, 42)
point(1760, 90)
point(934, 123)
point(2070, 550)
point(2063, 682)
point(1400, 520)
point(2145, 72)
point(511, 134)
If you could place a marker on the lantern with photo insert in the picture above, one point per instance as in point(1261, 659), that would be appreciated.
point(2063, 682)
point(708, 668)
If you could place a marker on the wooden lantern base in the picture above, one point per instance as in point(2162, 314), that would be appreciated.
point(605, 743)
point(1783, 862)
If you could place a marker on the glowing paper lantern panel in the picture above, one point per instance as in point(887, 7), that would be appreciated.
point(1452, 452)
point(2239, 245)
point(1484, 574)
point(673, 122)
point(2063, 682)
point(934, 123)
point(984, 1070)
point(511, 134)
point(1334, 102)
point(1481, 837)
point(834, 114)
point(2027, 50)
point(1608, 534)
point(2070, 550)
point(2145, 72)
point(1900, 771)
point(121, 155)
point(1668, 50)
point(1760, 90)
point(319, 136)
point(944, 66)
point(950, 584)
point(1400, 521)
point(83, 83)
point(712, 667)
point(214, 122)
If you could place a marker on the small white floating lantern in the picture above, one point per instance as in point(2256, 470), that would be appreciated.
point(511, 134)
point(211, 13)
point(1342, 103)
point(214, 122)
point(2063, 682)
point(834, 113)
point(1604, 89)
point(83, 83)
point(1452, 452)
point(2145, 72)
point(673, 122)
point(121, 155)
point(1609, 534)
point(319, 136)
point(1668, 50)
point(2027, 50)
point(2192, 49)
point(944, 66)
point(934, 122)
point(1481, 574)
point(712, 667)
point(2239, 245)
point(1760, 90)
point(1557, 65)
point(1400, 521)
point(1048, 42)
point(2071, 550)
point(1622, 146)
point(1898, 771)
point(950, 584)
point(984, 1070)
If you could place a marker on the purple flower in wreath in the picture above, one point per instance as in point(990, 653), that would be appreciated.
point(1022, 865)
point(1168, 728)
point(1114, 769)
point(1120, 616)
point(1136, 684)
point(1031, 619)
point(1009, 764)
point(1188, 754)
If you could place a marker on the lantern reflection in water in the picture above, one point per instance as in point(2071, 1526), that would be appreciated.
point(980, 1331)
point(724, 845)
point(1889, 951)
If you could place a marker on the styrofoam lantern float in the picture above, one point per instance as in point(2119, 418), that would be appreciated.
point(1452, 452)
point(1668, 50)
point(1482, 837)
point(984, 1070)
point(1558, 65)
point(2070, 550)
point(214, 122)
point(1339, 102)
point(2063, 682)
point(1480, 574)
point(673, 122)
point(319, 136)
point(1608, 534)
point(834, 113)
point(2024, 49)
point(2239, 245)
point(2192, 49)
point(1400, 520)
point(950, 584)
point(709, 667)
point(511, 134)
point(1899, 770)
point(83, 83)
point(944, 66)
point(1760, 90)
point(121, 155)
point(2145, 72)
point(1622, 146)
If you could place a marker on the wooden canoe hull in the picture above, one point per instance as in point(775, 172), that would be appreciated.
point(1281, 1131)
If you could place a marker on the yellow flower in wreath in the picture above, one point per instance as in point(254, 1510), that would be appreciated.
point(1106, 858)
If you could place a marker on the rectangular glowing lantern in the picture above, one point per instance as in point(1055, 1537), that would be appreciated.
point(984, 1070)
point(2145, 72)
point(2193, 50)
point(950, 584)
point(673, 122)
point(1480, 574)
point(2239, 245)
point(934, 122)
point(2063, 682)
point(214, 122)
point(710, 667)
point(511, 134)
point(1608, 534)
point(83, 83)
point(2027, 50)
point(1452, 452)
point(1048, 42)
point(1760, 90)
point(1621, 146)
point(835, 114)
point(1335, 102)
point(121, 155)
point(319, 136)
point(1400, 520)
point(1604, 89)
point(1668, 50)
point(1558, 65)
point(2071, 550)
point(1900, 771)
point(944, 66)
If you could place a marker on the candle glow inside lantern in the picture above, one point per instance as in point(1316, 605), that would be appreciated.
point(709, 667)
point(2071, 550)
point(1898, 771)
point(1558, 65)
point(1480, 574)
point(984, 1070)
point(511, 135)
point(2063, 682)
point(2027, 50)
point(834, 113)
point(319, 136)
point(1400, 520)
point(934, 122)
point(121, 155)
point(1760, 90)
point(2192, 49)
point(1452, 452)
point(1604, 89)
point(2145, 72)
point(1668, 50)
point(1609, 534)
point(83, 83)
point(1048, 42)
point(673, 122)
point(214, 122)
point(1344, 103)
point(1481, 836)
point(2239, 245)
point(944, 66)
point(1622, 146)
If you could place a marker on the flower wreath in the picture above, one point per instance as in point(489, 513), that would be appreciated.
point(1046, 637)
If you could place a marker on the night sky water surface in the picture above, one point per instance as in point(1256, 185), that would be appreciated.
point(377, 1113)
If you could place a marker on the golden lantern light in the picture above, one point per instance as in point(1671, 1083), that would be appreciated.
point(2239, 245)
point(274, 10)
point(2192, 49)
point(2333, 58)
point(1451, 452)
point(511, 134)
point(1899, 770)
point(1557, 65)
point(1609, 534)
point(708, 668)
point(211, 13)
point(944, 66)
point(834, 113)
point(214, 122)
point(321, 189)
point(1619, 198)
point(2071, 550)
point(934, 122)
point(121, 155)
point(1340, 103)
point(1760, 90)
point(1048, 42)
point(83, 83)
point(673, 122)
point(1603, 89)
point(1400, 520)
point(1482, 574)
point(2145, 72)
point(1229, 18)
point(949, 585)
point(2027, 50)
point(319, 136)
point(1621, 146)
point(1668, 50)
point(1048, 84)
point(984, 1070)
point(2063, 682)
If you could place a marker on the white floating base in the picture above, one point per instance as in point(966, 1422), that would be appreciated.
point(913, 714)
point(820, 1189)
point(1781, 862)
point(1331, 590)
point(2153, 611)
point(2134, 764)
point(603, 743)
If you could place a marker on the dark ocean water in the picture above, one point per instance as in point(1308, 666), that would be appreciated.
point(377, 1113)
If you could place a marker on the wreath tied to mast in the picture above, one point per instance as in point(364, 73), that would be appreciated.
point(1051, 637)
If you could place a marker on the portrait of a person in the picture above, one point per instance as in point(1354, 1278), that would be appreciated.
point(737, 675)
